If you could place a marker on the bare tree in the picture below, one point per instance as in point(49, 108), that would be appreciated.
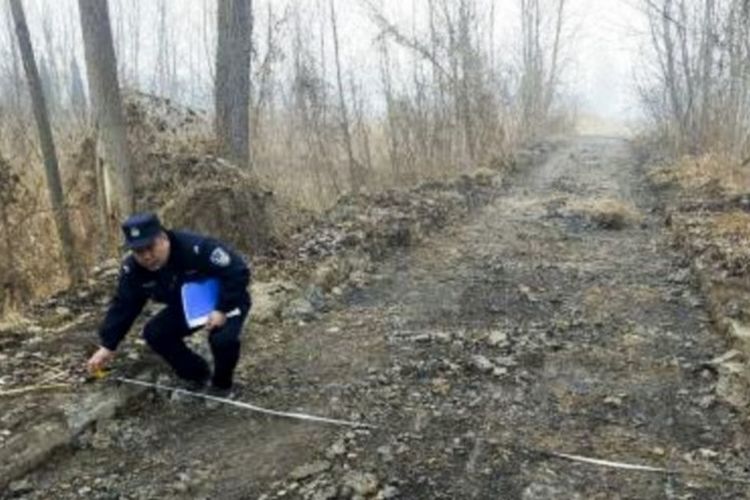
point(354, 176)
point(390, 108)
point(78, 101)
point(455, 111)
point(232, 91)
point(553, 76)
point(14, 71)
point(701, 55)
point(51, 170)
point(116, 176)
point(163, 77)
point(10, 277)
point(264, 87)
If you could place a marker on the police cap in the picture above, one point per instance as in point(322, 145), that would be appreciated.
point(141, 229)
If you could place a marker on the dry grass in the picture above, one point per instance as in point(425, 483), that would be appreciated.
point(722, 237)
point(728, 235)
point(721, 240)
point(13, 320)
point(298, 167)
point(732, 226)
point(713, 174)
point(607, 213)
point(171, 148)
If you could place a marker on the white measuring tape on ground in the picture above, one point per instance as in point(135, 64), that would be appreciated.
point(607, 463)
point(645, 468)
point(246, 406)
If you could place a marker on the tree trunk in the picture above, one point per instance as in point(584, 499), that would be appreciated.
point(77, 93)
point(707, 51)
point(467, 72)
point(162, 78)
point(104, 92)
point(232, 97)
point(51, 170)
point(392, 129)
point(549, 92)
point(689, 107)
point(671, 75)
point(15, 72)
point(354, 178)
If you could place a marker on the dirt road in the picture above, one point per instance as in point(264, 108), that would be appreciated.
point(537, 326)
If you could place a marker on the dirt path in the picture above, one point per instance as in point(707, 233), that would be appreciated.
point(529, 329)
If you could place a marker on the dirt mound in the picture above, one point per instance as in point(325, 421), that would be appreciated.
point(221, 200)
point(156, 124)
point(377, 223)
point(178, 175)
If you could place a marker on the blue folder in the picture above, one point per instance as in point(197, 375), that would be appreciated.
point(199, 300)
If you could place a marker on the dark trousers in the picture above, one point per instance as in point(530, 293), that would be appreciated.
point(165, 334)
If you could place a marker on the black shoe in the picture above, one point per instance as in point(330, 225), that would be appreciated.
point(194, 385)
point(184, 386)
point(218, 392)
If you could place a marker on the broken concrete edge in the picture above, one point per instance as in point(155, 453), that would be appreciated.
point(31, 448)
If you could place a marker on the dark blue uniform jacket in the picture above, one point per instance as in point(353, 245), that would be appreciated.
point(191, 257)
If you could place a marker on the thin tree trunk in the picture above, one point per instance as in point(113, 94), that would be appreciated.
point(323, 63)
point(689, 107)
point(552, 78)
point(9, 283)
point(51, 170)
point(77, 93)
point(465, 52)
point(359, 113)
point(671, 75)
point(263, 85)
point(707, 50)
point(353, 170)
point(385, 74)
point(15, 71)
point(135, 41)
point(232, 91)
point(492, 37)
point(160, 84)
point(104, 91)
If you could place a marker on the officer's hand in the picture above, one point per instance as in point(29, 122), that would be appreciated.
point(216, 320)
point(100, 359)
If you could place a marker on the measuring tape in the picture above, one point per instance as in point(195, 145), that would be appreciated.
point(239, 404)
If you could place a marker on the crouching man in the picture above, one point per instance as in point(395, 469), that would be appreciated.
point(160, 263)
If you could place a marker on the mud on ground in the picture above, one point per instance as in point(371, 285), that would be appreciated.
point(536, 326)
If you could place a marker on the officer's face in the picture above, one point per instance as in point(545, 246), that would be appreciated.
point(154, 256)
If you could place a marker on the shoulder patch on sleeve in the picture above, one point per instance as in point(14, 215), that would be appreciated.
point(220, 257)
point(196, 249)
point(126, 269)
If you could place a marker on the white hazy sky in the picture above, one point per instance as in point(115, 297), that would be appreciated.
point(607, 57)
point(603, 39)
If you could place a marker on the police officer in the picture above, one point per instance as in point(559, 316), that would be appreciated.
point(161, 261)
